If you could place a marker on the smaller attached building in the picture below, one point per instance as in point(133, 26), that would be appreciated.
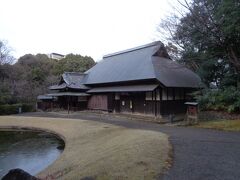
point(69, 93)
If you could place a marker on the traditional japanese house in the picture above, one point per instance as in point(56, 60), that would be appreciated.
point(142, 80)
point(69, 93)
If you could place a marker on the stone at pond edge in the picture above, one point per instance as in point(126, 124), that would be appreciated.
point(61, 147)
point(18, 174)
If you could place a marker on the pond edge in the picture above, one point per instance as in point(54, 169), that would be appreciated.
point(34, 129)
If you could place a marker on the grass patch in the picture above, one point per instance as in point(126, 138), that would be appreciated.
point(99, 150)
point(226, 125)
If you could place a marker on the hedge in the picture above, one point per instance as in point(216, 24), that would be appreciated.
point(227, 100)
point(7, 109)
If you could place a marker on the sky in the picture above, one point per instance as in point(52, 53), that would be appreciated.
point(87, 27)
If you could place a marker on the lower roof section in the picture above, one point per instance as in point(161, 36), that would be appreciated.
point(68, 94)
point(57, 87)
point(131, 88)
point(44, 97)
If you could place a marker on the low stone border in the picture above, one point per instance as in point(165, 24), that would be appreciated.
point(217, 115)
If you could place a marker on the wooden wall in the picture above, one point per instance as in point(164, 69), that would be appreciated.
point(135, 103)
point(64, 102)
point(74, 103)
point(98, 101)
point(172, 107)
point(162, 101)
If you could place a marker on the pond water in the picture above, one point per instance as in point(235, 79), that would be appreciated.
point(28, 150)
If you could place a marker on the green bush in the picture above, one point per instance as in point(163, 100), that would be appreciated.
point(28, 107)
point(227, 99)
point(7, 109)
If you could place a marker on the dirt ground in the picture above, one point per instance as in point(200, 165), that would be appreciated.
point(96, 150)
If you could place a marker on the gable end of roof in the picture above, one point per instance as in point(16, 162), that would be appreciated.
point(134, 49)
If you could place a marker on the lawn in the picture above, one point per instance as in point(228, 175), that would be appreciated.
point(100, 150)
point(226, 125)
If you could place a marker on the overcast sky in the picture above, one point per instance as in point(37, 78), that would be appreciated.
point(86, 27)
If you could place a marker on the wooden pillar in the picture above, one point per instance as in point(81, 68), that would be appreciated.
point(173, 93)
point(68, 104)
point(152, 104)
point(144, 105)
point(184, 94)
point(155, 99)
point(167, 94)
point(160, 99)
point(160, 93)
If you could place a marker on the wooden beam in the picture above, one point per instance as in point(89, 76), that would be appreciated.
point(152, 102)
point(184, 93)
point(173, 93)
point(160, 93)
point(167, 93)
point(160, 100)
point(68, 104)
point(155, 92)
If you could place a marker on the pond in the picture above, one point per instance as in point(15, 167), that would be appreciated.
point(31, 151)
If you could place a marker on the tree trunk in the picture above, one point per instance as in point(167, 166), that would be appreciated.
point(234, 60)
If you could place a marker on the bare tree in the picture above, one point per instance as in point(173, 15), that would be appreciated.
point(5, 54)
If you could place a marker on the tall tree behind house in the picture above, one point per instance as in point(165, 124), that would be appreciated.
point(207, 34)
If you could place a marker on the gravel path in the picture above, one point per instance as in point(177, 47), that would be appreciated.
point(197, 153)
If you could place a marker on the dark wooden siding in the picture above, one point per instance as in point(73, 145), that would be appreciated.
point(110, 101)
point(125, 103)
point(162, 101)
point(98, 102)
point(138, 102)
point(79, 106)
point(117, 106)
point(152, 108)
point(172, 107)
point(149, 107)
point(44, 105)
point(64, 102)
point(72, 102)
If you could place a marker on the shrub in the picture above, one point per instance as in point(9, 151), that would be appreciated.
point(227, 99)
point(7, 109)
point(28, 107)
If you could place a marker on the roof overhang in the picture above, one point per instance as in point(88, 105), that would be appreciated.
point(44, 97)
point(57, 87)
point(64, 86)
point(132, 88)
point(68, 94)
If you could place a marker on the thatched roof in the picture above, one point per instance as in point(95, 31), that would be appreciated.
point(146, 62)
